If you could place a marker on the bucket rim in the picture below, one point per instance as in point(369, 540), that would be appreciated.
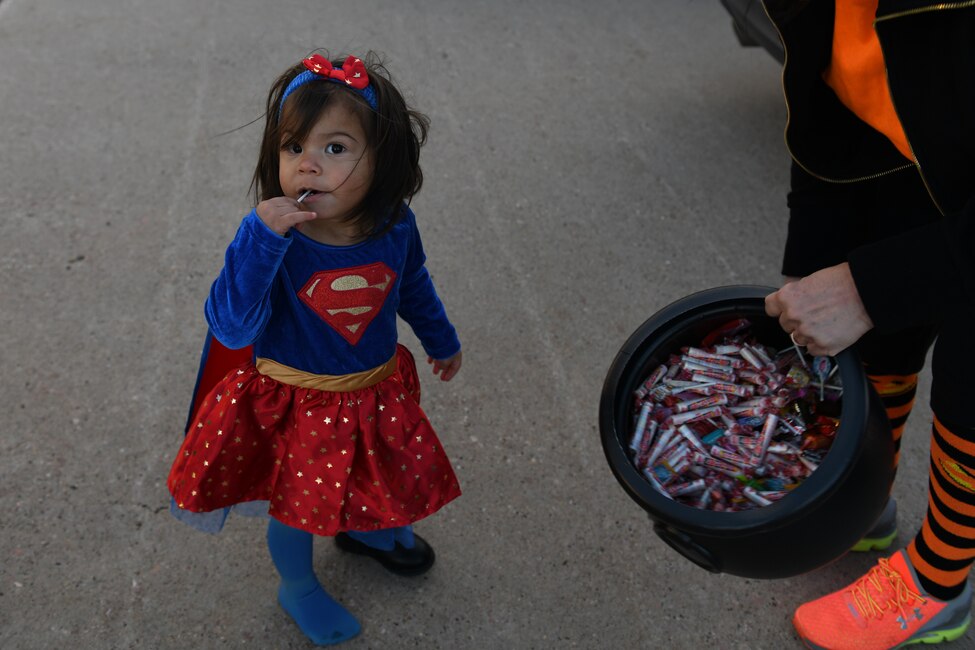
point(817, 488)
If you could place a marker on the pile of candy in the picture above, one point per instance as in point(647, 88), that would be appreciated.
point(734, 425)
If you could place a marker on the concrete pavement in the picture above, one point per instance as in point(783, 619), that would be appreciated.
point(588, 164)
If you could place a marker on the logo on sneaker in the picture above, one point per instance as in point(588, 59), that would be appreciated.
point(349, 299)
point(903, 621)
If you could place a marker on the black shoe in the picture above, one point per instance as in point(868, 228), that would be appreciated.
point(401, 560)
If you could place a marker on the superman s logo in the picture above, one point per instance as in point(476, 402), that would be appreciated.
point(348, 299)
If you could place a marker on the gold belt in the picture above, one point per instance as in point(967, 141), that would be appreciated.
point(334, 383)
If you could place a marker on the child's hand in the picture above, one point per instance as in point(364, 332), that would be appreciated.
point(447, 368)
point(280, 214)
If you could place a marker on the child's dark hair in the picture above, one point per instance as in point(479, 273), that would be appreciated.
point(394, 135)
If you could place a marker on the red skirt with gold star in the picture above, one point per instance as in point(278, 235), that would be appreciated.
point(325, 460)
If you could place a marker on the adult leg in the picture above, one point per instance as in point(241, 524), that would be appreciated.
point(944, 549)
point(892, 363)
point(921, 593)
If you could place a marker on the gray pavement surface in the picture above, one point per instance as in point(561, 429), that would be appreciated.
point(588, 164)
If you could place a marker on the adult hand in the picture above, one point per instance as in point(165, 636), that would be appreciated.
point(822, 311)
point(280, 214)
point(446, 368)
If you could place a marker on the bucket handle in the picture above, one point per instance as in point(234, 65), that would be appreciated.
point(680, 542)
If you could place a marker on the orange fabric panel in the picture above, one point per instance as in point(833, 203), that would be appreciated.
point(857, 74)
point(946, 578)
point(893, 384)
point(954, 440)
point(950, 526)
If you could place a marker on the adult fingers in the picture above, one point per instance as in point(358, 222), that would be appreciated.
point(773, 304)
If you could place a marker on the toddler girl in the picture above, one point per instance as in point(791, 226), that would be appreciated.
point(318, 421)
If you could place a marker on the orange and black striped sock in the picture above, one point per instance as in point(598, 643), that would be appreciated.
point(943, 551)
point(897, 394)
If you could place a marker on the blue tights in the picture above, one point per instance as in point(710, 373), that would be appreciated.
point(322, 619)
point(386, 539)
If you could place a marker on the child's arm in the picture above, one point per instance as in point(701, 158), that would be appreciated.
point(238, 307)
point(421, 307)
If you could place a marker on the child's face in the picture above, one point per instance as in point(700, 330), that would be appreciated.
point(333, 160)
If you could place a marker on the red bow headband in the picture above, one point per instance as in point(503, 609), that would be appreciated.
point(352, 74)
point(353, 71)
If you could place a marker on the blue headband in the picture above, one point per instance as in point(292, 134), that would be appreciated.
point(352, 75)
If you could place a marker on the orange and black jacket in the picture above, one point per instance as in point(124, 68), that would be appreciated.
point(929, 53)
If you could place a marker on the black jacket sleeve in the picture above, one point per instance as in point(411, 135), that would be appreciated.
point(920, 276)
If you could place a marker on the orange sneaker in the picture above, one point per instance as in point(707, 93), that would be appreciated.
point(887, 608)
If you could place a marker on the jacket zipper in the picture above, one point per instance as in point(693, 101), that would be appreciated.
point(788, 111)
point(938, 7)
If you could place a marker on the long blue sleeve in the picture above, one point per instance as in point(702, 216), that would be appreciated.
point(239, 304)
point(421, 307)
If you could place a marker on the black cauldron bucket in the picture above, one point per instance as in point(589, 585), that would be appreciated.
point(814, 524)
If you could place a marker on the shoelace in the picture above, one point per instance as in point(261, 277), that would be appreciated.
point(890, 589)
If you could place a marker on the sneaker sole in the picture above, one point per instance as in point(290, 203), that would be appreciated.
point(939, 636)
point(874, 543)
point(935, 636)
